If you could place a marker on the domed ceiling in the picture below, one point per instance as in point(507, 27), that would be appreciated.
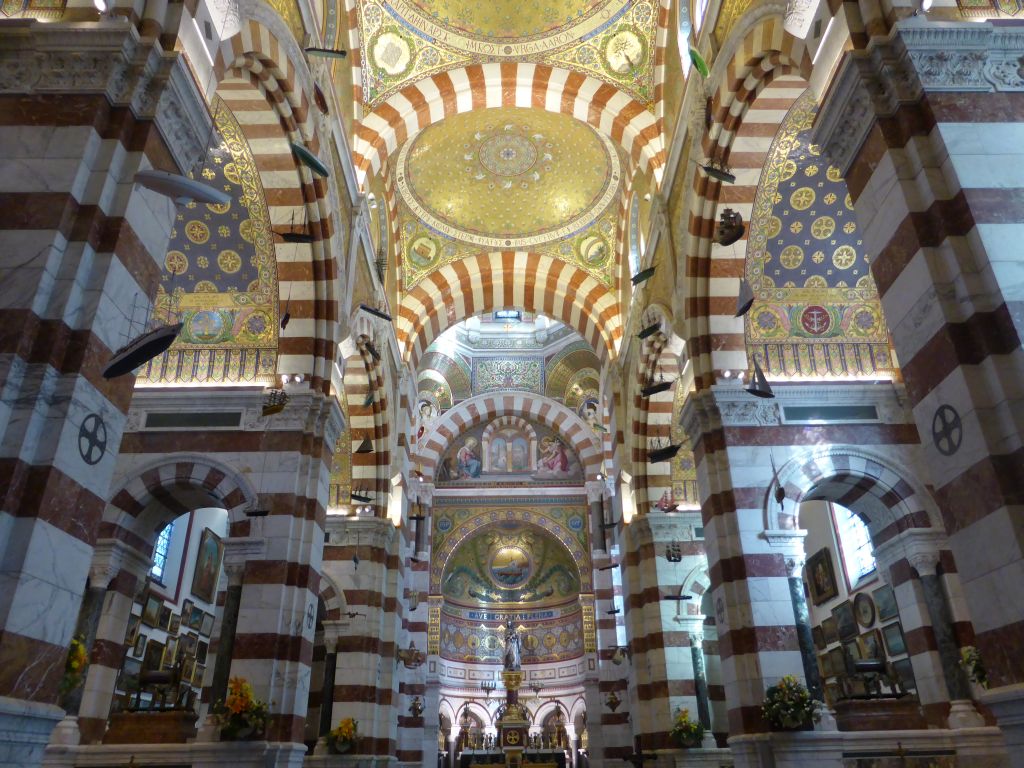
point(508, 178)
point(407, 40)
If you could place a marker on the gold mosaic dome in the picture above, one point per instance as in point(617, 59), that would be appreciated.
point(508, 178)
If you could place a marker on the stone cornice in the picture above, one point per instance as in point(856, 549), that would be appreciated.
point(373, 532)
point(109, 58)
point(917, 56)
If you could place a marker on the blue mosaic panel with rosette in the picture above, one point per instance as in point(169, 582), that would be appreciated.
point(220, 275)
point(817, 311)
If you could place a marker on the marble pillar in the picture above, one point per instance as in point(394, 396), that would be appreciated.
point(228, 626)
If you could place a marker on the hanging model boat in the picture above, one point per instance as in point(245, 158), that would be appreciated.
point(376, 312)
point(181, 188)
point(309, 160)
point(642, 275)
point(141, 350)
point(730, 227)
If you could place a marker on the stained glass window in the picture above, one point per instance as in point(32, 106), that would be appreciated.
point(163, 541)
point(855, 544)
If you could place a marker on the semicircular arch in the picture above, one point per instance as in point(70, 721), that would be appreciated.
point(508, 84)
point(509, 280)
point(487, 407)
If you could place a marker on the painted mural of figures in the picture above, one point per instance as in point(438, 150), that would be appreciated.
point(499, 455)
point(513, 658)
point(520, 455)
point(554, 460)
point(469, 462)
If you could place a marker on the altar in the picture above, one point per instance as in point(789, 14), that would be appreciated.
point(537, 758)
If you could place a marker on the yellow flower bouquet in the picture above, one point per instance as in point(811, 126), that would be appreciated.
point(74, 665)
point(788, 705)
point(343, 736)
point(241, 715)
point(686, 732)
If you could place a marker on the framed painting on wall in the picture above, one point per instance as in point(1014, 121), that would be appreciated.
point(846, 624)
point(165, 617)
point(206, 628)
point(819, 637)
point(830, 630)
point(153, 656)
point(905, 670)
point(864, 610)
point(885, 601)
point(870, 644)
point(133, 631)
point(894, 641)
point(821, 578)
point(151, 610)
point(207, 571)
point(140, 645)
point(195, 618)
point(175, 623)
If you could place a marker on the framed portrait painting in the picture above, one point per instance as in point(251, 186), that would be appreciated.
point(871, 645)
point(207, 570)
point(206, 627)
point(153, 656)
point(133, 630)
point(140, 645)
point(175, 623)
point(821, 578)
point(195, 618)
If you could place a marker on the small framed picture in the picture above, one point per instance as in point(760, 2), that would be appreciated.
point(128, 680)
point(845, 622)
point(190, 642)
point(836, 661)
point(830, 630)
point(852, 649)
point(195, 618)
point(905, 670)
point(207, 570)
point(819, 637)
point(133, 631)
point(870, 644)
point(206, 628)
point(894, 641)
point(170, 651)
point(140, 645)
point(821, 579)
point(165, 617)
point(188, 667)
point(202, 648)
point(175, 623)
point(864, 610)
point(186, 610)
point(197, 678)
point(885, 601)
point(153, 656)
point(825, 660)
point(151, 610)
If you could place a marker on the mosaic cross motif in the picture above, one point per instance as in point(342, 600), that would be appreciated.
point(92, 439)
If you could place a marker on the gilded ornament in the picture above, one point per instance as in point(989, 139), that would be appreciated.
point(823, 227)
point(833, 174)
point(792, 256)
point(391, 52)
point(229, 261)
point(774, 227)
point(802, 199)
point(197, 232)
point(176, 262)
point(624, 51)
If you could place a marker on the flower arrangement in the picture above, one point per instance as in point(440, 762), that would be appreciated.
point(74, 666)
point(686, 732)
point(788, 705)
point(970, 660)
point(343, 735)
point(241, 714)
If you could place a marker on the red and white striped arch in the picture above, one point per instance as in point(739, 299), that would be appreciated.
point(766, 54)
point(261, 86)
point(486, 408)
point(509, 280)
point(509, 84)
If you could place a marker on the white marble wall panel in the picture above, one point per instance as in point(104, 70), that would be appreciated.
point(42, 577)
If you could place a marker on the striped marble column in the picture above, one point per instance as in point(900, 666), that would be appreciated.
point(79, 116)
point(362, 558)
point(927, 127)
point(662, 660)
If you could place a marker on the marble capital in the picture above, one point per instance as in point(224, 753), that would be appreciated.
point(374, 532)
point(238, 550)
point(918, 56)
point(920, 547)
point(596, 490)
point(110, 556)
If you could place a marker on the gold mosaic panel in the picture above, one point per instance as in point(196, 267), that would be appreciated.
point(407, 40)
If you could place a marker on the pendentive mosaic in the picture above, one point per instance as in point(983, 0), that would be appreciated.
point(817, 311)
point(220, 276)
point(407, 40)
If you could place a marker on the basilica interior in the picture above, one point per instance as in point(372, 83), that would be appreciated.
point(565, 383)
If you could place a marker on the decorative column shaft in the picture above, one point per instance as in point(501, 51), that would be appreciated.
point(88, 620)
point(942, 628)
point(700, 680)
point(802, 614)
point(228, 626)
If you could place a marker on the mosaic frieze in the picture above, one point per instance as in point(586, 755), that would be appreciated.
point(496, 374)
point(407, 40)
point(220, 275)
point(545, 640)
point(817, 311)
